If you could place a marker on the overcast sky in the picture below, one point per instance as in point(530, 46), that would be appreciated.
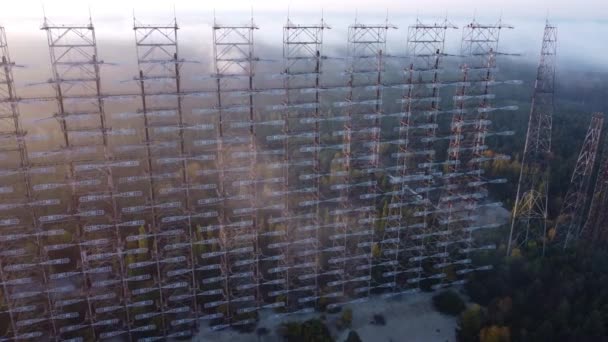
point(582, 24)
point(566, 9)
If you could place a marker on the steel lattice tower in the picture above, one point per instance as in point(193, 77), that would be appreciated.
point(92, 208)
point(406, 241)
point(170, 232)
point(300, 138)
point(572, 213)
point(23, 269)
point(595, 229)
point(464, 190)
point(529, 218)
point(350, 259)
point(238, 177)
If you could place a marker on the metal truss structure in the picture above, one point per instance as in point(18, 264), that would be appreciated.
point(595, 229)
point(301, 191)
point(206, 207)
point(409, 242)
point(572, 213)
point(26, 296)
point(529, 218)
point(168, 267)
point(90, 232)
point(464, 193)
point(357, 166)
point(239, 179)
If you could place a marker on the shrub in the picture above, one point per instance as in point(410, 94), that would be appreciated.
point(353, 337)
point(347, 318)
point(378, 319)
point(262, 331)
point(495, 334)
point(469, 324)
point(310, 331)
point(448, 302)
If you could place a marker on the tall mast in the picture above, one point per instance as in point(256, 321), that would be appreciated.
point(529, 217)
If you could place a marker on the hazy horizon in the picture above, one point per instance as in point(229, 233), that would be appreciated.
point(113, 20)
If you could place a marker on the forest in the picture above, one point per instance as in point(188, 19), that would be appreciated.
point(560, 296)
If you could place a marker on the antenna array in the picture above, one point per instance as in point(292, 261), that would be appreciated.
point(410, 239)
point(464, 192)
point(301, 142)
point(207, 206)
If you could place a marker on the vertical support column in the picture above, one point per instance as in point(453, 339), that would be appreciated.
point(357, 213)
point(529, 219)
point(409, 242)
point(12, 141)
point(238, 182)
point(92, 208)
point(572, 213)
point(171, 230)
point(595, 230)
point(302, 58)
point(459, 205)
point(29, 315)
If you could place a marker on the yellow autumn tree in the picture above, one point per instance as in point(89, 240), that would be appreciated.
point(516, 252)
point(551, 234)
point(376, 250)
point(495, 333)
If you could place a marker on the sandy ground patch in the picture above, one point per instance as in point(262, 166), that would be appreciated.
point(409, 318)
